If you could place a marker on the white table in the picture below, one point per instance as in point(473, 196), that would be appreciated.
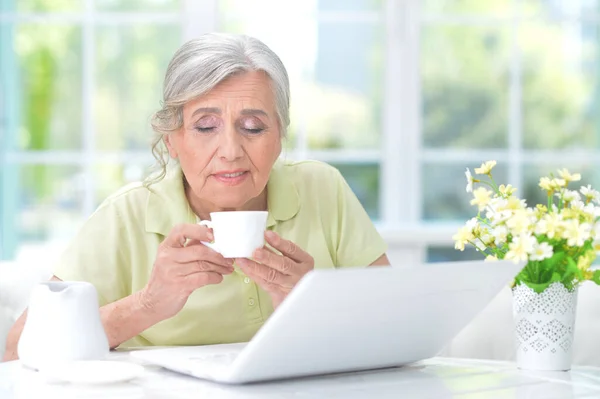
point(433, 378)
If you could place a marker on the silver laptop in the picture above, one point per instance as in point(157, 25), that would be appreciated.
point(343, 320)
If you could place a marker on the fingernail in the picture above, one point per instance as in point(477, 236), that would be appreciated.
point(210, 236)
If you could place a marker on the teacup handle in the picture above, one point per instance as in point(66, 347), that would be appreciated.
point(208, 224)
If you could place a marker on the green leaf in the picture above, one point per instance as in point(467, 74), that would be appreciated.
point(596, 277)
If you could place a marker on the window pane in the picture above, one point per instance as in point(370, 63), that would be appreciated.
point(560, 85)
point(363, 179)
point(40, 5)
point(558, 8)
point(465, 86)
point(48, 69)
point(138, 5)
point(496, 7)
point(443, 191)
point(50, 202)
point(131, 63)
point(110, 177)
point(449, 254)
point(335, 71)
point(350, 5)
point(533, 193)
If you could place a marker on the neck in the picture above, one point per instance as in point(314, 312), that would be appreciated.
point(203, 208)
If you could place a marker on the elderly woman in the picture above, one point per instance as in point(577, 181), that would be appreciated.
point(218, 140)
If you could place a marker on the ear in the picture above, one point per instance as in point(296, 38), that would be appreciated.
point(168, 139)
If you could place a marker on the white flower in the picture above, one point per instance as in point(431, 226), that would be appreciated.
point(541, 251)
point(592, 210)
point(589, 193)
point(470, 181)
point(596, 234)
point(520, 247)
point(551, 225)
point(575, 233)
point(500, 234)
point(568, 195)
point(491, 258)
point(482, 197)
point(472, 223)
point(578, 205)
point(520, 222)
point(485, 168)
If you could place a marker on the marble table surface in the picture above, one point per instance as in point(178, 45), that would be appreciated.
point(433, 378)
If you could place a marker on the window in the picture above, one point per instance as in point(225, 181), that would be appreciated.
point(400, 95)
point(515, 81)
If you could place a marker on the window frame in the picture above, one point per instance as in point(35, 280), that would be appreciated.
point(401, 155)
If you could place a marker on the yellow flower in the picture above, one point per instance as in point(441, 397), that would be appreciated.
point(557, 184)
point(491, 258)
point(507, 190)
point(564, 173)
point(585, 261)
point(482, 197)
point(545, 183)
point(463, 237)
point(540, 210)
point(486, 168)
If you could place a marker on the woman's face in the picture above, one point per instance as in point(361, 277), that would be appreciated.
point(228, 143)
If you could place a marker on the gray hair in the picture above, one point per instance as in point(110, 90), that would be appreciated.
point(201, 64)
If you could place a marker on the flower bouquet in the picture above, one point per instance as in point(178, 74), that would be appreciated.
point(558, 241)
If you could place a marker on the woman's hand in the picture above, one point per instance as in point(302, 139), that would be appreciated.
point(182, 266)
point(277, 274)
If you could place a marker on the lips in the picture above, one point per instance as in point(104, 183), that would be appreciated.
point(232, 178)
point(230, 175)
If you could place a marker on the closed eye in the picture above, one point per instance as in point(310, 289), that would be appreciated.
point(254, 131)
point(204, 129)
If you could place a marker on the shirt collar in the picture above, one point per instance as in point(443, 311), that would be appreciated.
point(167, 204)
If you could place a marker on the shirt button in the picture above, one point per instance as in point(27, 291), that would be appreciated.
point(251, 302)
point(247, 280)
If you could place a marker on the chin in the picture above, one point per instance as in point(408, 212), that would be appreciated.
point(231, 201)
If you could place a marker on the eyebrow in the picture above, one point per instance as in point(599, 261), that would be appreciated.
point(209, 110)
point(215, 110)
point(253, 111)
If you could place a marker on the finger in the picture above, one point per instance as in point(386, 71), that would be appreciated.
point(179, 235)
point(197, 280)
point(278, 262)
point(201, 266)
point(268, 287)
point(287, 247)
point(199, 252)
point(259, 271)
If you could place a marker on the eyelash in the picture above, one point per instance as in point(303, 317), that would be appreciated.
point(210, 129)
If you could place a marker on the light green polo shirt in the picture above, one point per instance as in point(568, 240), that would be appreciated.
point(309, 203)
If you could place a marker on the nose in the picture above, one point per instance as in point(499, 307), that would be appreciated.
point(230, 145)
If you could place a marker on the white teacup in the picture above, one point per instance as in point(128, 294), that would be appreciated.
point(237, 233)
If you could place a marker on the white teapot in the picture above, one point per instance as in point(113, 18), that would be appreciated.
point(63, 324)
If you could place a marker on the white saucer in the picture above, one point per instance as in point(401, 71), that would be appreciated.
point(94, 372)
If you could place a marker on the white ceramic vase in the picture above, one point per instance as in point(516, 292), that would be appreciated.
point(544, 327)
point(63, 324)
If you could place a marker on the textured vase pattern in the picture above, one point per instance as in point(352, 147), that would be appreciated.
point(544, 326)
